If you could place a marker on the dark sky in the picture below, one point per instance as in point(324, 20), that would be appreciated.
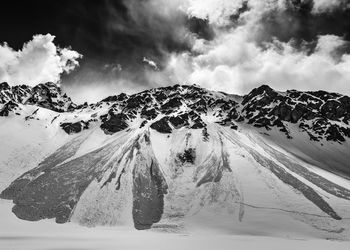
point(79, 23)
point(103, 31)
point(87, 26)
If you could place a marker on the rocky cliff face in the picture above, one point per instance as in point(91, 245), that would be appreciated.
point(166, 154)
point(321, 115)
point(48, 95)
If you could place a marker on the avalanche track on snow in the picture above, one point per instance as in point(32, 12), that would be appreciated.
point(180, 157)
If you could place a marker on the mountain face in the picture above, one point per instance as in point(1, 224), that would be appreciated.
point(178, 156)
point(47, 95)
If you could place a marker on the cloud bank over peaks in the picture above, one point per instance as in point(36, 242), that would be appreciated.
point(329, 5)
point(236, 66)
point(40, 60)
point(218, 12)
point(246, 52)
point(227, 45)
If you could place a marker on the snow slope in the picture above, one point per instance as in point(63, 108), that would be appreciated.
point(44, 235)
point(16, 234)
point(178, 160)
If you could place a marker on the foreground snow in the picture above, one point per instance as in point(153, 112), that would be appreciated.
point(250, 198)
point(17, 234)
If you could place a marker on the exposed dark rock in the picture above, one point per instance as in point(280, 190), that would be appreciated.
point(333, 134)
point(198, 124)
point(73, 128)
point(160, 96)
point(50, 96)
point(234, 126)
point(263, 108)
point(116, 98)
point(267, 93)
point(234, 115)
point(205, 134)
point(8, 108)
point(345, 131)
point(82, 106)
point(162, 126)
point(143, 123)
point(323, 95)
point(134, 102)
point(149, 113)
point(113, 123)
point(179, 121)
point(4, 86)
point(188, 156)
point(199, 106)
point(172, 103)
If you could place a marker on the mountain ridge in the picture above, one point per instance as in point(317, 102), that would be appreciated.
point(165, 155)
point(329, 113)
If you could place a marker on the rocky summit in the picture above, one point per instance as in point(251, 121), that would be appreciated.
point(319, 114)
point(47, 95)
point(164, 156)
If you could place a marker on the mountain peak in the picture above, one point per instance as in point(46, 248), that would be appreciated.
point(47, 95)
point(167, 153)
point(318, 114)
point(4, 85)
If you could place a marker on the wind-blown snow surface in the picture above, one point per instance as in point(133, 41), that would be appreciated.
point(46, 235)
point(200, 178)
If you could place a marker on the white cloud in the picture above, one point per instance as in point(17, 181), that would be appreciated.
point(218, 12)
point(234, 62)
point(328, 44)
point(150, 63)
point(236, 65)
point(40, 60)
point(329, 5)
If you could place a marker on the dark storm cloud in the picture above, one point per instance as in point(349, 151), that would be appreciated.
point(241, 10)
point(286, 44)
point(299, 22)
point(201, 28)
point(126, 31)
point(123, 32)
point(120, 38)
point(103, 29)
point(144, 30)
point(107, 33)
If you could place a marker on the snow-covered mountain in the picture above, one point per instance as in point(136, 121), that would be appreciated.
point(178, 157)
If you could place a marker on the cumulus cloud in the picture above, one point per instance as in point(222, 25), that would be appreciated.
point(245, 65)
point(218, 12)
point(151, 63)
point(237, 59)
point(232, 46)
point(40, 60)
point(329, 5)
